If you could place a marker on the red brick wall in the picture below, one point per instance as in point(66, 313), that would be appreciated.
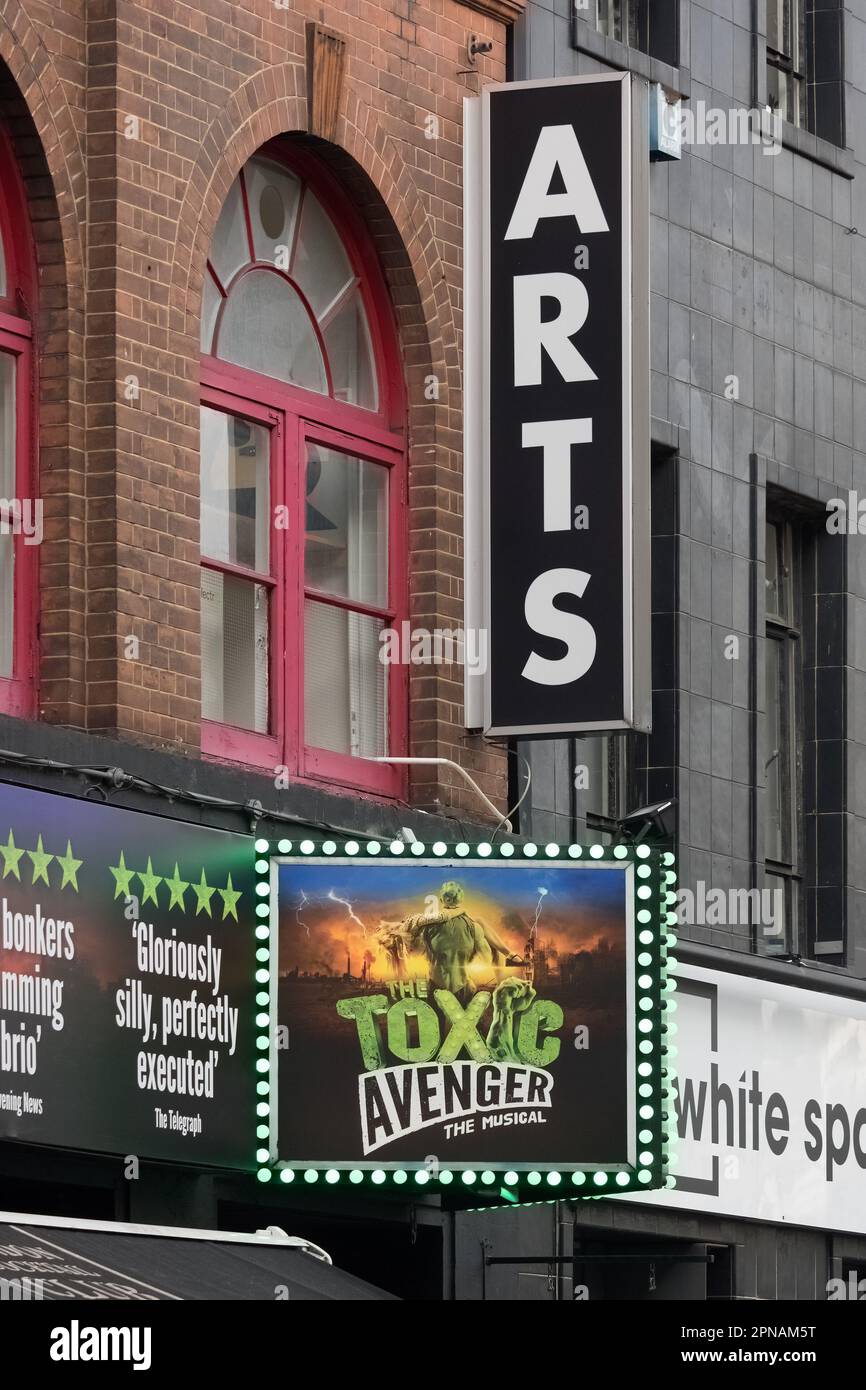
point(122, 228)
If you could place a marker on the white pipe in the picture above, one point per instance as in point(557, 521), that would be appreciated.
point(447, 762)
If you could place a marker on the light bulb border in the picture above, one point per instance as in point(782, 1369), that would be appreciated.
point(482, 1177)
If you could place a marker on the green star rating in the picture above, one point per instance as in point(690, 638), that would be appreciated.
point(40, 860)
point(203, 895)
point(150, 882)
point(11, 855)
point(177, 888)
point(69, 866)
point(122, 878)
point(230, 897)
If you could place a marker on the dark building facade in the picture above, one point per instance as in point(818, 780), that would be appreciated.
point(757, 311)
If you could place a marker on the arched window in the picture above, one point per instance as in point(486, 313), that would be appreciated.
point(20, 512)
point(303, 484)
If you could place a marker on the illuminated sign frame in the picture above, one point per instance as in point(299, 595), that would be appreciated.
point(652, 917)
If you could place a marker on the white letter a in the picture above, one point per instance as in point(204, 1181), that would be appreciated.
point(556, 148)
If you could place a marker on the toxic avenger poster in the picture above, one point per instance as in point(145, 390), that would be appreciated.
point(126, 982)
point(445, 1011)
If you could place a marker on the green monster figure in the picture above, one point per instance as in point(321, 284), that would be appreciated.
point(510, 998)
point(451, 940)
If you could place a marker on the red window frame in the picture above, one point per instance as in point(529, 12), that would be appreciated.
point(18, 690)
point(294, 416)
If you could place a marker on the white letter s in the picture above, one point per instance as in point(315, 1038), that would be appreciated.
point(547, 620)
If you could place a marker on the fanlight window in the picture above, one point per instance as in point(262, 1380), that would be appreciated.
point(281, 297)
point(303, 485)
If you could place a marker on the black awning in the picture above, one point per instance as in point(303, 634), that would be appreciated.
point(103, 1261)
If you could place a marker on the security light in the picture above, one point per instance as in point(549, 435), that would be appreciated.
point(656, 821)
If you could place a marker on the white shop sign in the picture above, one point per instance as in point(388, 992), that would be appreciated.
point(772, 1103)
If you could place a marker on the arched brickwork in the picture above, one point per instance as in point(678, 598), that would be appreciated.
point(370, 165)
point(48, 147)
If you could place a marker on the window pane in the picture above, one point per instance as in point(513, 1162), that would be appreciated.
point(346, 543)
point(784, 29)
point(235, 490)
point(777, 751)
point(7, 493)
point(230, 248)
point(796, 32)
point(776, 25)
point(272, 195)
point(777, 575)
point(266, 328)
point(609, 18)
point(347, 343)
point(210, 302)
point(771, 570)
point(784, 94)
point(234, 651)
point(345, 683)
point(636, 34)
point(775, 933)
point(321, 266)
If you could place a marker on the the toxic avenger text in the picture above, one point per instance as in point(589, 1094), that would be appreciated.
point(401, 1100)
point(413, 1031)
point(429, 1032)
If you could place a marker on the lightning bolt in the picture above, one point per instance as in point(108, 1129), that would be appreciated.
point(542, 894)
point(533, 934)
point(301, 903)
point(349, 908)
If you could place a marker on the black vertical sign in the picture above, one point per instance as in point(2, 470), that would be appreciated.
point(559, 448)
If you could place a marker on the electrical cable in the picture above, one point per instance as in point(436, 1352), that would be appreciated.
point(506, 819)
point(118, 779)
